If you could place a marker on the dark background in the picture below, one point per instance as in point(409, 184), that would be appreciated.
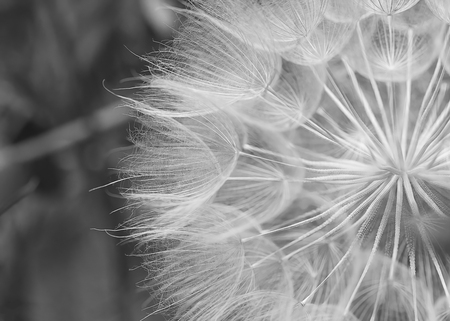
point(62, 63)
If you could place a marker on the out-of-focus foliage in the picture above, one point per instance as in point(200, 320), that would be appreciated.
point(57, 60)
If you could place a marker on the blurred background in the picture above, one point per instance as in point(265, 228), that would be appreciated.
point(63, 133)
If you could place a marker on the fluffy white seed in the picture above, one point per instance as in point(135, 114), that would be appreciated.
point(389, 51)
point(388, 7)
point(182, 162)
point(324, 43)
point(384, 298)
point(266, 179)
point(290, 102)
point(212, 62)
point(267, 24)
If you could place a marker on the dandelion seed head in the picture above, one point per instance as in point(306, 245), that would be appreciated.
point(294, 162)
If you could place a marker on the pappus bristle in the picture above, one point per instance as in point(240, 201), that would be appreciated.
point(320, 263)
point(381, 297)
point(267, 24)
point(390, 49)
point(224, 69)
point(388, 7)
point(181, 162)
point(324, 43)
point(204, 272)
point(325, 312)
point(288, 102)
point(263, 184)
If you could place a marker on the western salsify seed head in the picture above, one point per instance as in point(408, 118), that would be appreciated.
point(294, 162)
